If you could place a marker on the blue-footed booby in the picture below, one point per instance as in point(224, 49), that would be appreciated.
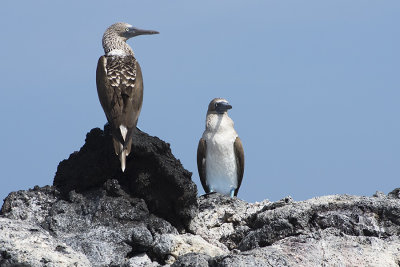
point(120, 85)
point(220, 155)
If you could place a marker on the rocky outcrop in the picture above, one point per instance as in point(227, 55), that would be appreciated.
point(97, 216)
point(104, 227)
point(40, 228)
point(339, 230)
point(152, 173)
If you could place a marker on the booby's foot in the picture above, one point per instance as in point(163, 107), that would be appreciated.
point(232, 194)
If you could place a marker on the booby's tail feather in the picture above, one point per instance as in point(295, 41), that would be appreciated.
point(126, 134)
point(122, 158)
point(121, 152)
point(127, 146)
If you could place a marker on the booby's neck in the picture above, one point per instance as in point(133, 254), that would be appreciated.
point(115, 45)
point(218, 122)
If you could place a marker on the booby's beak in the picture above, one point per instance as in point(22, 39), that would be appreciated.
point(135, 32)
point(221, 107)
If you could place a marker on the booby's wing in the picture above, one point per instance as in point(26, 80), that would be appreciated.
point(120, 89)
point(103, 86)
point(201, 163)
point(239, 155)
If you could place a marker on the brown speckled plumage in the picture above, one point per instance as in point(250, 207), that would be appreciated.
point(120, 85)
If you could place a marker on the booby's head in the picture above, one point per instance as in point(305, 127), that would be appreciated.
point(218, 106)
point(115, 37)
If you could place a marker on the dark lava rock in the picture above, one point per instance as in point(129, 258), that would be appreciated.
point(6, 260)
point(142, 239)
point(395, 193)
point(152, 173)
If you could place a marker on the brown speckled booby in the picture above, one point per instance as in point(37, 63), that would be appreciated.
point(120, 85)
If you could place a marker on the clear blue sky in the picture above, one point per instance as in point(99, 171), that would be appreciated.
point(315, 87)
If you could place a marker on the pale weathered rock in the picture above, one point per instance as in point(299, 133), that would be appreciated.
point(220, 217)
point(328, 249)
point(351, 215)
point(140, 260)
point(337, 230)
point(22, 243)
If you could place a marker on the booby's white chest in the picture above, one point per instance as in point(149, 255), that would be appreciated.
point(117, 52)
point(221, 169)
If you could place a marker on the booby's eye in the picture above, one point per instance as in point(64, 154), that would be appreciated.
point(127, 29)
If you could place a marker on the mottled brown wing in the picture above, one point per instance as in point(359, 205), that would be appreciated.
point(201, 163)
point(239, 154)
point(126, 101)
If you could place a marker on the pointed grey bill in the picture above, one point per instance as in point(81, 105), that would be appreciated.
point(221, 107)
point(132, 32)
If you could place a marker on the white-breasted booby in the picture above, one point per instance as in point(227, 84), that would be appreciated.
point(120, 85)
point(220, 155)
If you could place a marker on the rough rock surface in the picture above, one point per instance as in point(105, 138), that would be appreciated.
point(103, 227)
point(38, 227)
point(152, 173)
point(99, 218)
point(22, 242)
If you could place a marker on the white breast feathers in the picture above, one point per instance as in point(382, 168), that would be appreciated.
point(221, 167)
